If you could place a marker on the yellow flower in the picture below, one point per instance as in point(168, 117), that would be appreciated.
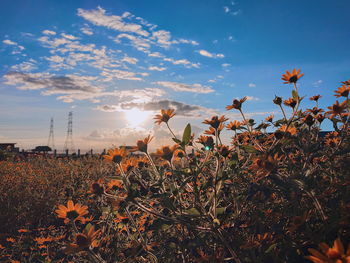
point(83, 241)
point(115, 155)
point(167, 152)
point(164, 116)
point(335, 254)
point(72, 212)
point(236, 104)
point(292, 77)
point(215, 121)
point(142, 145)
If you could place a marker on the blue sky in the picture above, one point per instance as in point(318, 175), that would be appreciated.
point(100, 59)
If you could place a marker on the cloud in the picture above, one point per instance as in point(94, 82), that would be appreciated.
point(70, 37)
point(49, 32)
point(25, 66)
point(184, 62)
point(225, 65)
point(12, 43)
point(100, 18)
point(87, 31)
point(251, 85)
point(51, 84)
point(252, 98)
point(181, 109)
point(9, 42)
point(129, 60)
point(226, 9)
point(156, 68)
point(317, 83)
point(210, 55)
point(197, 88)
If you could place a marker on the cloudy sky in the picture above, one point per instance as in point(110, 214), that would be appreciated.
point(117, 63)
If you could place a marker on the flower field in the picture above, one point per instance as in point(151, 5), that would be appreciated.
point(279, 192)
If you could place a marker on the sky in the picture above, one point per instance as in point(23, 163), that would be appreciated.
point(115, 64)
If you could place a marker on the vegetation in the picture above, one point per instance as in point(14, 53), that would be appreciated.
point(266, 197)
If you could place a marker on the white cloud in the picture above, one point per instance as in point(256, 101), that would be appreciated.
point(252, 98)
point(197, 88)
point(210, 55)
point(225, 65)
point(317, 83)
point(251, 85)
point(26, 66)
point(70, 37)
point(100, 18)
point(87, 31)
point(49, 32)
point(226, 9)
point(130, 60)
point(183, 62)
point(9, 42)
point(156, 68)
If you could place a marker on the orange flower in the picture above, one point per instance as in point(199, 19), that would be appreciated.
point(292, 77)
point(290, 130)
point(316, 97)
point(97, 188)
point(269, 118)
point(224, 150)
point(22, 230)
point(72, 212)
point(212, 131)
point(347, 82)
point(207, 141)
point(115, 155)
point(215, 121)
point(142, 161)
point(115, 185)
point(291, 102)
point(234, 125)
point(337, 109)
point(142, 145)
point(309, 120)
point(10, 239)
point(335, 254)
point(236, 104)
point(43, 240)
point(342, 91)
point(164, 116)
point(167, 152)
point(83, 241)
point(129, 164)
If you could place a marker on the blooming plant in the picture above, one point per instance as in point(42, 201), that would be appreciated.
point(266, 197)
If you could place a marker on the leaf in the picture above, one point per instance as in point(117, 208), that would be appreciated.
point(271, 248)
point(176, 140)
point(187, 134)
point(249, 148)
point(295, 94)
point(220, 210)
point(193, 211)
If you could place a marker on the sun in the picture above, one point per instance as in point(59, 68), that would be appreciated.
point(136, 117)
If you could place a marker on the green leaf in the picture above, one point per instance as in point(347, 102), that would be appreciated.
point(271, 248)
point(176, 140)
point(193, 211)
point(249, 148)
point(295, 94)
point(187, 134)
point(220, 210)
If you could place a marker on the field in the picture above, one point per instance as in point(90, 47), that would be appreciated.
point(279, 196)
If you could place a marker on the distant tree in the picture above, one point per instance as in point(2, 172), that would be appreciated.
point(42, 149)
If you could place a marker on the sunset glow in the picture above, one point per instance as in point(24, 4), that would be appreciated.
point(136, 117)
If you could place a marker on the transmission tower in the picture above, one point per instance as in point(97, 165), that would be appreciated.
point(51, 141)
point(69, 145)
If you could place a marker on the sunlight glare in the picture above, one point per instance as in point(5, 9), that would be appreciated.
point(136, 117)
